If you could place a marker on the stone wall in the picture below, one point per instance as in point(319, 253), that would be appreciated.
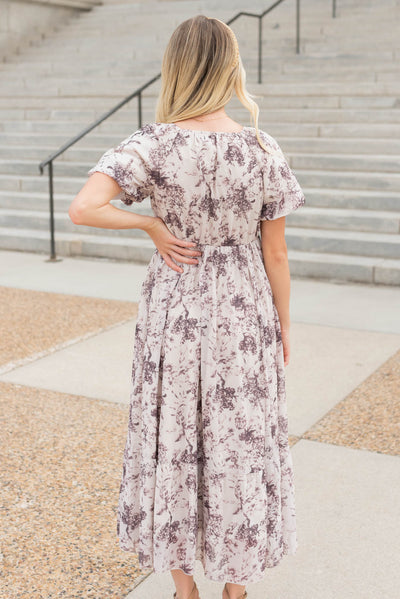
point(23, 21)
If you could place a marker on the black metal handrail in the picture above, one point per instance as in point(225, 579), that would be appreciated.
point(138, 93)
point(260, 18)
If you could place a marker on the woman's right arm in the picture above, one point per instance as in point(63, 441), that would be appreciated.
point(91, 207)
point(276, 265)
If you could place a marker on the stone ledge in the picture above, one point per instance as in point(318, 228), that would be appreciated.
point(80, 4)
point(24, 22)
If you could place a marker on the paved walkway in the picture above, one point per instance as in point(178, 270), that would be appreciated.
point(65, 378)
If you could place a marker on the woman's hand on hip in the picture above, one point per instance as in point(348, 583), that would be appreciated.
point(170, 246)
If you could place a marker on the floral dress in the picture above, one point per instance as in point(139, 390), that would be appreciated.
point(207, 472)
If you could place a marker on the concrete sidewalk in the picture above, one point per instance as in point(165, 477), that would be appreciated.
point(343, 396)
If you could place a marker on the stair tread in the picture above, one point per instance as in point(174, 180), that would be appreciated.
point(143, 242)
point(365, 213)
point(345, 235)
point(290, 231)
point(133, 241)
point(288, 153)
point(343, 258)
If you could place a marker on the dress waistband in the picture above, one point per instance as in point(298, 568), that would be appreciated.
point(225, 245)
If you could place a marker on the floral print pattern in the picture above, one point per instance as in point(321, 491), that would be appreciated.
point(207, 472)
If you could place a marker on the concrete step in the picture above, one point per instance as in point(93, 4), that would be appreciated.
point(28, 81)
point(326, 199)
point(283, 115)
point(347, 162)
point(38, 201)
point(309, 177)
point(346, 219)
point(35, 215)
point(245, 33)
point(39, 220)
point(326, 88)
point(370, 130)
point(348, 99)
point(126, 52)
point(356, 243)
point(83, 109)
point(336, 51)
point(76, 162)
point(317, 153)
point(386, 185)
point(354, 35)
point(65, 127)
point(330, 266)
point(43, 131)
point(69, 244)
point(310, 88)
point(313, 21)
point(290, 61)
point(62, 87)
point(356, 199)
point(51, 133)
point(103, 138)
point(351, 180)
point(341, 268)
point(290, 145)
point(310, 64)
point(58, 69)
point(339, 145)
point(55, 140)
point(61, 168)
point(331, 116)
point(58, 102)
point(338, 78)
point(293, 63)
point(66, 87)
point(33, 184)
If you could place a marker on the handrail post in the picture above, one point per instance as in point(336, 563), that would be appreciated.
point(259, 48)
point(52, 241)
point(298, 27)
point(333, 8)
point(140, 109)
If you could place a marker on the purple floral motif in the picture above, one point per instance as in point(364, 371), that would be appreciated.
point(234, 154)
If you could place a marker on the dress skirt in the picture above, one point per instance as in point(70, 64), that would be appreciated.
point(207, 469)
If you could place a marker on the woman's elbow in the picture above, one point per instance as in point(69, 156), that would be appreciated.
point(276, 256)
point(76, 213)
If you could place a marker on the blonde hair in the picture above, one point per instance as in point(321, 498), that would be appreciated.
point(201, 69)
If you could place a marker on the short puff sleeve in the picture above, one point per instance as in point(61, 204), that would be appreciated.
point(128, 165)
point(282, 191)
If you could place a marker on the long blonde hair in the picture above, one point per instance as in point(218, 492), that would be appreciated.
point(201, 69)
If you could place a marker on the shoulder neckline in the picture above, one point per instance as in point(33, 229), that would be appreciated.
point(203, 131)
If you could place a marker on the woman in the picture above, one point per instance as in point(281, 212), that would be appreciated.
point(207, 471)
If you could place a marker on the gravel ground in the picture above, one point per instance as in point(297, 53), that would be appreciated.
point(33, 321)
point(61, 466)
point(369, 417)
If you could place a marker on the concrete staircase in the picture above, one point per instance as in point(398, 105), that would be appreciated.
point(334, 109)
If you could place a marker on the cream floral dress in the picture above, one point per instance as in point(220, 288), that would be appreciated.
point(207, 471)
